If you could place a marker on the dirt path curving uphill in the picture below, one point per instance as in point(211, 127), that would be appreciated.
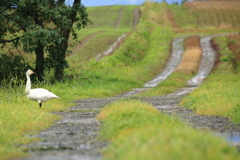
point(74, 137)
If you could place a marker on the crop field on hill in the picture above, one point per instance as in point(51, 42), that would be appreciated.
point(219, 14)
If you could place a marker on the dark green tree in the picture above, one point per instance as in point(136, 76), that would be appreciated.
point(42, 26)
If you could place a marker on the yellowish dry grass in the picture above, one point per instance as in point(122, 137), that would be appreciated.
point(191, 56)
point(190, 61)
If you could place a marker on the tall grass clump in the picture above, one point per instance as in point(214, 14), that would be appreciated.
point(138, 131)
point(219, 94)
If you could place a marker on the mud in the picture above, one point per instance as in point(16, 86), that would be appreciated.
point(75, 136)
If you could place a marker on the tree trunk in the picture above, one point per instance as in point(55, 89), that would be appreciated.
point(62, 63)
point(59, 69)
point(39, 63)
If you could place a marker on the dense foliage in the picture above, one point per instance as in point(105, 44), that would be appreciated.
point(42, 26)
point(13, 63)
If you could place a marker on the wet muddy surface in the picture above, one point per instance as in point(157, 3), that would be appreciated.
point(74, 137)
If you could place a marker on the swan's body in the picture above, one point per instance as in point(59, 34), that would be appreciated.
point(38, 94)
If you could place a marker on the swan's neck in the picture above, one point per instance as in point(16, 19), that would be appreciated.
point(28, 85)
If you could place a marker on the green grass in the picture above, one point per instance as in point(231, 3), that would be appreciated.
point(170, 85)
point(127, 17)
point(98, 16)
point(219, 95)
point(19, 115)
point(138, 131)
point(97, 45)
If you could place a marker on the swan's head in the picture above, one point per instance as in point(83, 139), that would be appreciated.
point(29, 72)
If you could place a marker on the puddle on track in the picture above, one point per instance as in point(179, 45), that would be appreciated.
point(232, 139)
point(85, 120)
point(65, 156)
point(235, 139)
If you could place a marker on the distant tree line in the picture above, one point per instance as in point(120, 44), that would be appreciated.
point(42, 26)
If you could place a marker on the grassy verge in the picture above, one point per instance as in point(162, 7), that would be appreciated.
point(19, 115)
point(138, 131)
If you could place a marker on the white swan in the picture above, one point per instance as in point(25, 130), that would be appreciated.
point(39, 94)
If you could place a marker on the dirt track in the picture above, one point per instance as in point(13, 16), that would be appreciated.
point(74, 136)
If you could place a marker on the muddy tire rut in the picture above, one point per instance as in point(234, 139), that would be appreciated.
point(72, 137)
point(75, 136)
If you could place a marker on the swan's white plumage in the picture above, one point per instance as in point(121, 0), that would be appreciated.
point(38, 94)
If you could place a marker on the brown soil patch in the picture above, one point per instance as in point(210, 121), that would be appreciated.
point(191, 56)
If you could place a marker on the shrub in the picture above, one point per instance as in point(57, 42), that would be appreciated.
point(12, 66)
